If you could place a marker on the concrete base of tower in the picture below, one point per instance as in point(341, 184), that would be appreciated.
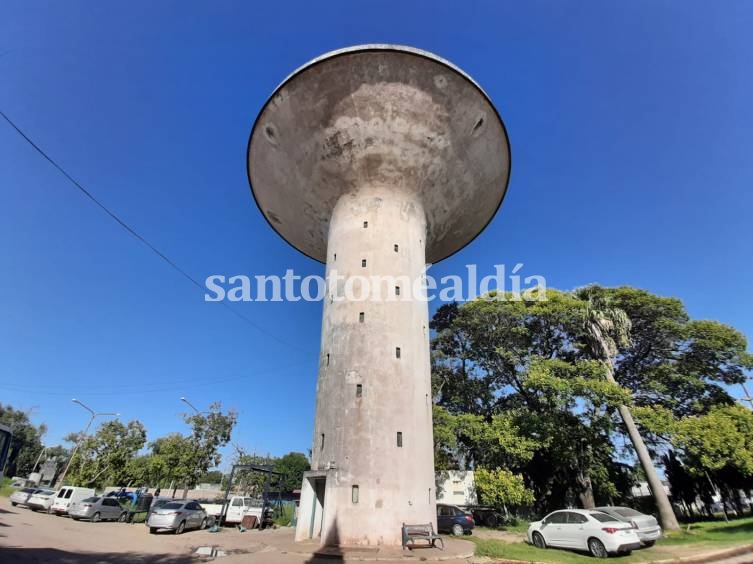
point(331, 511)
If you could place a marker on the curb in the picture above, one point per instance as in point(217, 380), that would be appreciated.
point(702, 559)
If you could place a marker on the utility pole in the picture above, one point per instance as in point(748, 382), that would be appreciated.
point(81, 437)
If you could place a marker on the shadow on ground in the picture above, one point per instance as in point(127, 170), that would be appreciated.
point(14, 555)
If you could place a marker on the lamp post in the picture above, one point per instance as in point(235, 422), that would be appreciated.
point(94, 415)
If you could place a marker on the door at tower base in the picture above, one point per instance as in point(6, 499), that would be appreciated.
point(336, 513)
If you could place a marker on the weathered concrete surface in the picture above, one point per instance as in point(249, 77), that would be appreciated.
point(373, 160)
point(379, 115)
point(356, 437)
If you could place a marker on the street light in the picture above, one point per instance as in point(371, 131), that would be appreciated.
point(192, 406)
point(94, 415)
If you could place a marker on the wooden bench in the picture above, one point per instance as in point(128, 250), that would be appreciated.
point(413, 533)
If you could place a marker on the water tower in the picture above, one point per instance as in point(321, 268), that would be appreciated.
point(375, 160)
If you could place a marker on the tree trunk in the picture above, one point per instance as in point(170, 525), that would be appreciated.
point(666, 514)
point(586, 494)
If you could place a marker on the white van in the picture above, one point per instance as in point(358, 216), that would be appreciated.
point(67, 495)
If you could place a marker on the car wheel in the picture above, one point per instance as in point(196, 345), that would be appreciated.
point(203, 524)
point(597, 549)
point(538, 540)
point(123, 517)
point(13, 503)
point(96, 518)
point(181, 528)
point(457, 530)
point(649, 544)
point(152, 530)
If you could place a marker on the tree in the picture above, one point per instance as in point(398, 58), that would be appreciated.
point(103, 458)
point(607, 329)
point(292, 466)
point(210, 431)
point(501, 489)
point(27, 441)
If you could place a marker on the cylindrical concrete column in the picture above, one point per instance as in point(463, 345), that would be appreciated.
point(374, 411)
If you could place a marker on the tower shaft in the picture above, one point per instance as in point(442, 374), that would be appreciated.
point(372, 455)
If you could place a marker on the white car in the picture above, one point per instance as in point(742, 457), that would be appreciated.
point(22, 496)
point(584, 529)
point(41, 501)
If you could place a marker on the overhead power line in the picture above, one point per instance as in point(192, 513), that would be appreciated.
point(140, 237)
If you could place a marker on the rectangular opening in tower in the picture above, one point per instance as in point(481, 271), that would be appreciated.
point(359, 390)
point(363, 263)
point(354, 494)
point(400, 438)
point(361, 317)
point(397, 352)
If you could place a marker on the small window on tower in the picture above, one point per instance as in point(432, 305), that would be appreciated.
point(354, 494)
point(334, 258)
point(327, 359)
point(359, 390)
point(397, 248)
point(397, 352)
point(363, 262)
point(360, 317)
point(365, 224)
point(399, 438)
point(321, 442)
point(397, 290)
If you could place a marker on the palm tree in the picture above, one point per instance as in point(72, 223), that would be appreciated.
point(606, 329)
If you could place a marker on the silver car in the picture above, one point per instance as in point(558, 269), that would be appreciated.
point(97, 509)
point(646, 526)
point(178, 516)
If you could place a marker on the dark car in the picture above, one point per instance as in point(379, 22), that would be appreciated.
point(452, 519)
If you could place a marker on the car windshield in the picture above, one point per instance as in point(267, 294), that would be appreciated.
point(28, 490)
point(603, 517)
point(172, 505)
point(91, 500)
point(627, 512)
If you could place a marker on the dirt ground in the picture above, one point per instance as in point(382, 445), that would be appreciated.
point(28, 536)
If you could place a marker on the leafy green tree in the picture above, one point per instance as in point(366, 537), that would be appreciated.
point(501, 489)
point(292, 466)
point(103, 458)
point(210, 431)
point(27, 441)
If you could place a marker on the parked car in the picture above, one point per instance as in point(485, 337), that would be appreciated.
point(584, 529)
point(235, 509)
point(42, 500)
point(67, 495)
point(22, 496)
point(97, 508)
point(178, 516)
point(646, 526)
point(452, 519)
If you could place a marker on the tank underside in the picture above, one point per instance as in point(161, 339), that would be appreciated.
point(379, 115)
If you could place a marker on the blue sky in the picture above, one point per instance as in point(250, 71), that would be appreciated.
point(631, 127)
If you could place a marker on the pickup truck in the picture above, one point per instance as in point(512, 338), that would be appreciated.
point(237, 508)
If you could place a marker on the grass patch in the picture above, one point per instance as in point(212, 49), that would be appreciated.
point(736, 530)
point(5, 489)
point(706, 535)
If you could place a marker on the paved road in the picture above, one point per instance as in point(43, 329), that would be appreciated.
point(28, 536)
